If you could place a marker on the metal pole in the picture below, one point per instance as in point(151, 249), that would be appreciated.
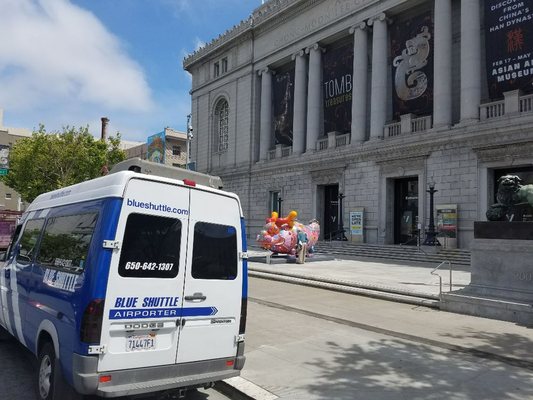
point(189, 131)
point(431, 239)
point(280, 200)
point(341, 219)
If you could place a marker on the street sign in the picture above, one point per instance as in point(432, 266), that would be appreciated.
point(3, 172)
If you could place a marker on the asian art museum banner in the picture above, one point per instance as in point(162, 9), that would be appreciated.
point(338, 84)
point(412, 60)
point(283, 107)
point(509, 46)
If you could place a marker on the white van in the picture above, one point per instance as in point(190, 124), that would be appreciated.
point(128, 284)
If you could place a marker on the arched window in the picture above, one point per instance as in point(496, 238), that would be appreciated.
point(221, 126)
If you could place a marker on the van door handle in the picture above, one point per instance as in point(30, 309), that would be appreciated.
point(196, 297)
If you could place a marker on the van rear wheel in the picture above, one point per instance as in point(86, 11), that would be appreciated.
point(50, 382)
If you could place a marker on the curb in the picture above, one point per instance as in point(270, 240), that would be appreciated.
point(239, 388)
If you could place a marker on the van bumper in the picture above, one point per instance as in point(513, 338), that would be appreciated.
point(151, 379)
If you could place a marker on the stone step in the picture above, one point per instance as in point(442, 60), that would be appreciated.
point(404, 253)
point(382, 293)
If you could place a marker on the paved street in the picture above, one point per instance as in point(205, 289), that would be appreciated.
point(307, 343)
point(17, 376)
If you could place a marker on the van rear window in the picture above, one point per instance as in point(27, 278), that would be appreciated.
point(66, 241)
point(151, 247)
point(214, 252)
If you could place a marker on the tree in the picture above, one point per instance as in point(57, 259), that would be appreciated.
point(45, 162)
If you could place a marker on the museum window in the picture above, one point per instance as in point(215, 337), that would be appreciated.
point(221, 126)
point(216, 69)
point(224, 62)
point(274, 200)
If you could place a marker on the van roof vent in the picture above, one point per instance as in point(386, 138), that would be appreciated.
point(151, 168)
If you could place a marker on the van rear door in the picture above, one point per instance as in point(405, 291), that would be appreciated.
point(143, 304)
point(213, 279)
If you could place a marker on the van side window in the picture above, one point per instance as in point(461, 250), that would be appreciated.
point(214, 253)
point(14, 238)
point(66, 241)
point(151, 247)
point(28, 240)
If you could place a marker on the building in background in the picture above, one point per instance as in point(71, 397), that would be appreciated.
point(9, 199)
point(167, 147)
point(364, 103)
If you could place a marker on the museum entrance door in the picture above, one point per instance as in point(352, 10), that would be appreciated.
point(331, 210)
point(405, 210)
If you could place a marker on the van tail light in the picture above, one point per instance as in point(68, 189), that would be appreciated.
point(244, 312)
point(189, 182)
point(91, 323)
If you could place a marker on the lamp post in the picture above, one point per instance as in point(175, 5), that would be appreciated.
point(431, 235)
point(341, 219)
point(280, 200)
point(189, 138)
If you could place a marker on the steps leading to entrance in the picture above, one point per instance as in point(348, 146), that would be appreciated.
point(393, 252)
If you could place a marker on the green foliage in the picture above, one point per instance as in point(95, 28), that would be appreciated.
point(46, 162)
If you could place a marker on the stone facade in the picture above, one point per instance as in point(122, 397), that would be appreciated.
point(460, 147)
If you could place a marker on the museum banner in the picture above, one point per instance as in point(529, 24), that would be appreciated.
point(283, 107)
point(509, 46)
point(412, 71)
point(4, 159)
point(338, 84)
point(156, 148)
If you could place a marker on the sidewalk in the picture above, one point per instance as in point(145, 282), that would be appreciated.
point(385, 276)
point(481, 339)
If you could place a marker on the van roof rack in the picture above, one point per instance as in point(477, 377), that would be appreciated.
point(151, 168)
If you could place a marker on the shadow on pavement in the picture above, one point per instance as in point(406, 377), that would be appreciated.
point(395, 369)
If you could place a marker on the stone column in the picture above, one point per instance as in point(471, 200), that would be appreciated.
point(442, 89)
point(378, 102)
point(265, 127)
point(314, 95)
point(300, 91)
point(470, 60)
point(360, 71)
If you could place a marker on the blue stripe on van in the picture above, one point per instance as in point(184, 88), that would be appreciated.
point(244, 262)
point(147, 313)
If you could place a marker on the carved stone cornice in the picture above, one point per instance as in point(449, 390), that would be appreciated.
point(399, 167)
point(386, 155)
point(240, 32)
point(271, 15)
point(506, 151)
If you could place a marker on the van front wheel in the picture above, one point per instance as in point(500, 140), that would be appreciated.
point(50, 383)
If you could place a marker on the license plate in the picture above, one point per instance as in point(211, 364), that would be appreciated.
point(140, 342)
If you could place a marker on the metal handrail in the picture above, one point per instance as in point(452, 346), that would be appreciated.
point(440, 277)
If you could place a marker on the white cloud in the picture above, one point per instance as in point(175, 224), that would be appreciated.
point(55, 53)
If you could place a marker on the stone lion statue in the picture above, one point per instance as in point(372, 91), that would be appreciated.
point(510, 193)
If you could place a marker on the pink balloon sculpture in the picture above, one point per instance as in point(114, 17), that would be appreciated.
point(280, 235)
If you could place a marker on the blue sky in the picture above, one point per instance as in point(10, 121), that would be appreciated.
point(70, 62)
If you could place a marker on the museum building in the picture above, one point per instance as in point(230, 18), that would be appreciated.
point(354, 108)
